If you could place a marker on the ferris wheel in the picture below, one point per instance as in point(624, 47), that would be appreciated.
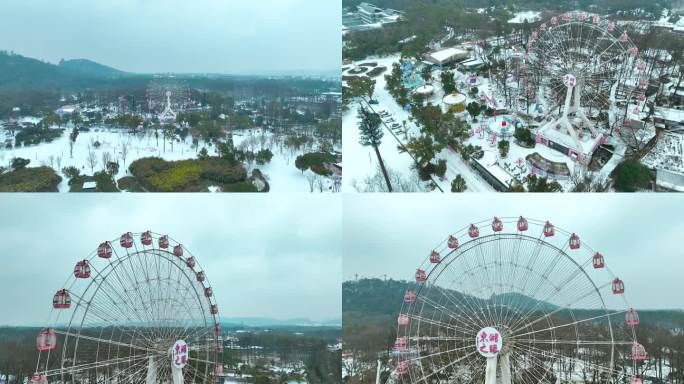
point(514, 300)
point(168, 90)
point(133, 312)
point(581, 65)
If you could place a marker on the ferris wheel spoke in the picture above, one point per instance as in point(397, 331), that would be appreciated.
point(424, 378)
point(538, 362)
point(573, 342)
point(134, 371)
point(462, 317)
point(441, 338)
point(124, 302)
point(426, 320)
point(560, 308)
point(88, 366)
point(578, 361)
point(103, 341)
point(134, 301)
point(607, 315)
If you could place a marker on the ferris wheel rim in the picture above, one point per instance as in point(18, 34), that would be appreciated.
point(190, 279)
point(452, 256)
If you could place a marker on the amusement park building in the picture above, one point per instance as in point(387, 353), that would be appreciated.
point(447, 56)
point(669, 118)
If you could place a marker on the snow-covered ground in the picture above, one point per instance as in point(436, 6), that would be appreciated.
point(281, 173)
point(520, 17)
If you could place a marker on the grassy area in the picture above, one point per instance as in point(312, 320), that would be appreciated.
point(193, 175)
point(39, 179)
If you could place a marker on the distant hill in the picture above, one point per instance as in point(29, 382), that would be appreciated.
point(378, 299)
point(25, 73)
point(90, 68)
point(269, 322)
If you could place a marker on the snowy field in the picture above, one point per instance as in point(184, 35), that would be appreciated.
point(125, 148)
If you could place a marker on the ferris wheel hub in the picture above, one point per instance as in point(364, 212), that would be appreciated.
point(569, 80)
point(488, 342)
point(179, 354)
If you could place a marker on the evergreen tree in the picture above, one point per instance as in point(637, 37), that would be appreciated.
point(371, 134)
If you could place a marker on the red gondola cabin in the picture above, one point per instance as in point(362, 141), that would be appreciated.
point(548, 230)
point(208, 292)
point(146, 238)
point(190, 262)
point(638, 352)
point(452, 243)
point(61, 300)
point(410, 296)
point(403, 319)
point(420, 275)
point(574, 241)
point(164, 242)
point(126, 240)
point(403, 368)
point(497, 225)
point(200, 276)
point(39, 378)
point(473, 231)
point(598, 261)
point(178, 250)
point(618, 286)
point(213, 309)
point(104, 250)
point(400, 344)
point(435, 258)
point(522, 224)
point(46, 339)
point(632, 317)
point(82, 269)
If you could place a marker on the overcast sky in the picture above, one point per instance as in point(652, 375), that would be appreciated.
point(640, 235)
point(218, 36)
point(265, 255)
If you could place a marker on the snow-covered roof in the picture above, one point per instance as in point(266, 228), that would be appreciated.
point(472, 63)
point(670, 114)
point(454, 98)
point(490, 163)
point(89, 185)
point(529, 15)
point(447, 54)
point(425, 89)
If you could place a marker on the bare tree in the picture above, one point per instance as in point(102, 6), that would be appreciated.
point(92, 159)
point(311, 178)
point(106, 158)
point(124, 151)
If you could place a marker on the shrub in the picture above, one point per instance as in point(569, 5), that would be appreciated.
point(40, 179)
point(264, 156)
point(504, 146)
point(441, 168)
point(631, 176)
point(309, 160)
